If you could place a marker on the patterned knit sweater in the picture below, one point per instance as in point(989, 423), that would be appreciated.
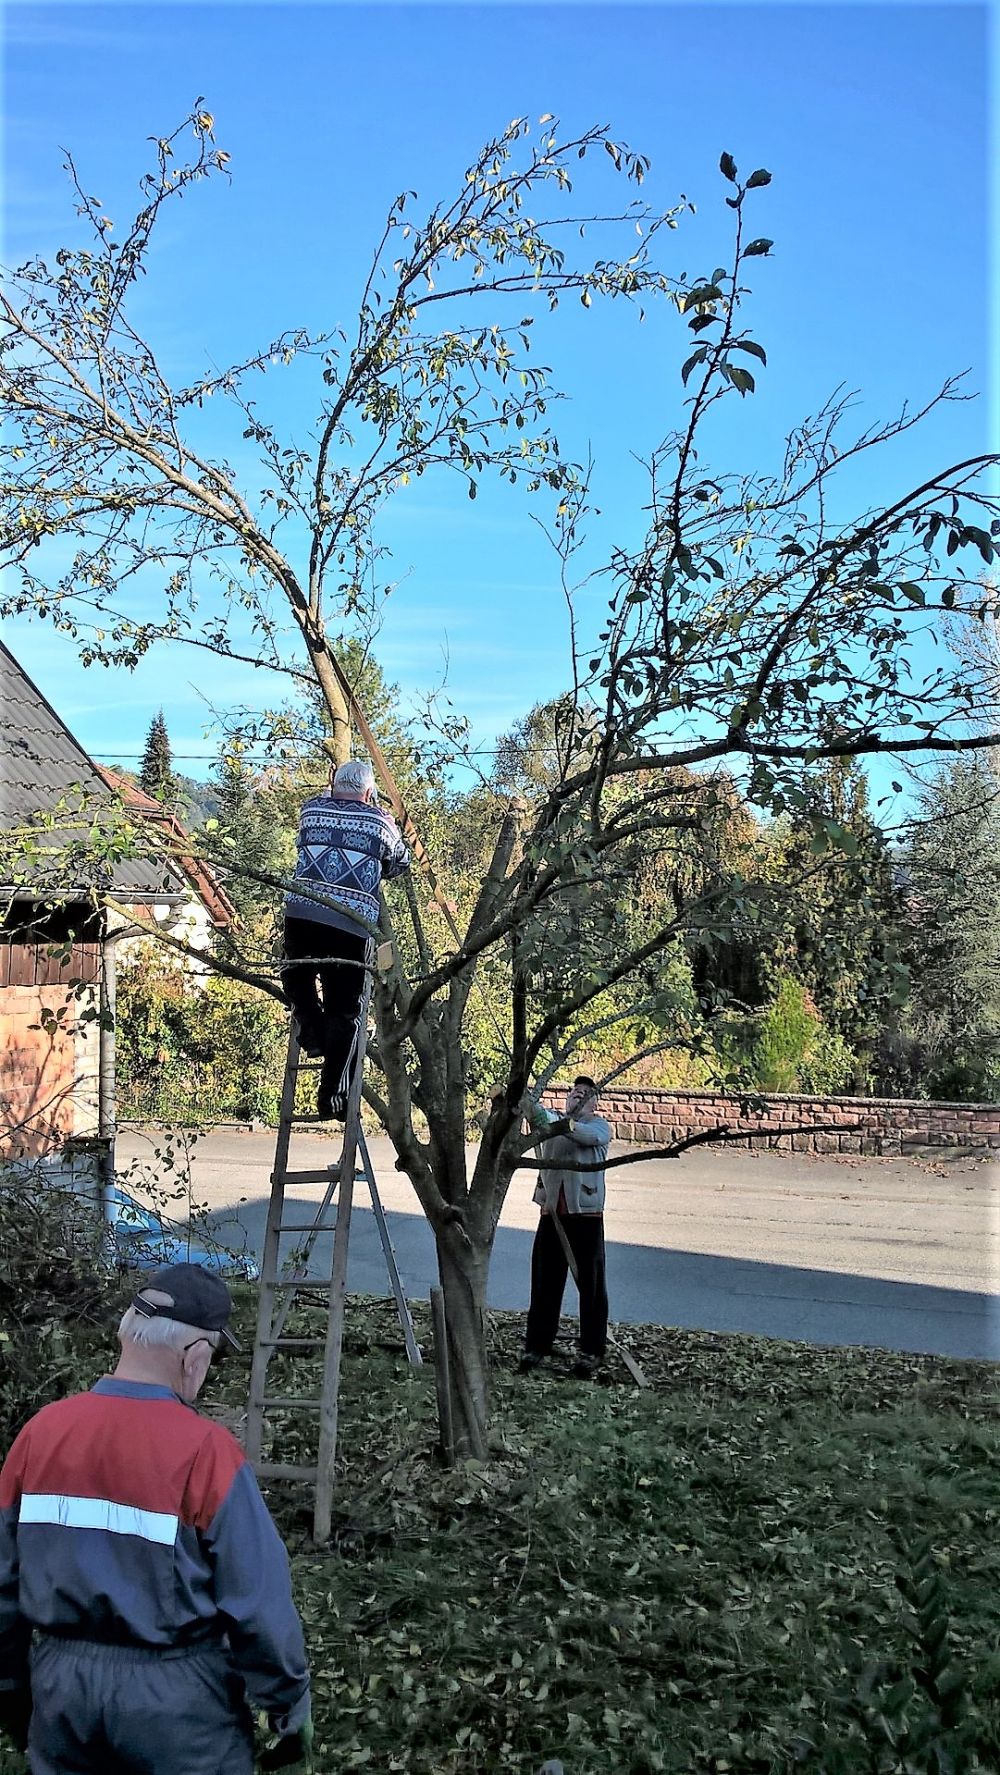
point(344, 850)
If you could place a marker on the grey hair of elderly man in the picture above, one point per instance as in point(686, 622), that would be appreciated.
point(353, 781)
point(164, 1352)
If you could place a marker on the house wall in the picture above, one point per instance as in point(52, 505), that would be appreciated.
point(48, 1076)
point(189, 924)
point(879, 1125)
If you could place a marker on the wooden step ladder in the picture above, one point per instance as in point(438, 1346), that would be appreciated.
point(280, 1281)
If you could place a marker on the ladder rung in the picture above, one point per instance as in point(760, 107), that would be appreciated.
point(310, 1065)
point(283, 1470)
point(306, 1226)
point(319, 1174)
point(280, 1404)
point(309, 1116)
point(318, 1285)
point(293, 1343)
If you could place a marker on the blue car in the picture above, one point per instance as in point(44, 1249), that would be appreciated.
point(143, 1239)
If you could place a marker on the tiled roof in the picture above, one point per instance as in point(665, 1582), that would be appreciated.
point(204, 881)
point(46, 777)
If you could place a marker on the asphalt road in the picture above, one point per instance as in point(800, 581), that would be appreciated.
point(896, 1253)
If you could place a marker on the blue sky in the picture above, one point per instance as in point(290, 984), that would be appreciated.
point(872, 119)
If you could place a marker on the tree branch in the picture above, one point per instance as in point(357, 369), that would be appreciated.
point(724, 1132)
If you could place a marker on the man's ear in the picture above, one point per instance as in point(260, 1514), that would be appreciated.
point(197, 1362)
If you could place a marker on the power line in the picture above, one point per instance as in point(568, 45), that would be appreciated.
point(186, 757)
point(269, 757)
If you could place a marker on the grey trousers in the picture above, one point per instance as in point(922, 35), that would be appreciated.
point(119, 1710)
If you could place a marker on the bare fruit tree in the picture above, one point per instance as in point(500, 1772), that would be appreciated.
point(749, 636)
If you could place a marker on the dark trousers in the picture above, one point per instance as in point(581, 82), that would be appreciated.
point(114, 1710)
point(319, 959)
point(549, 1269)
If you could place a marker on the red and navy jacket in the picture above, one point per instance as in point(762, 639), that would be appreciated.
point(126, 1517)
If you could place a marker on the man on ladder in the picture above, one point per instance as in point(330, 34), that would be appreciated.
point(346, 846)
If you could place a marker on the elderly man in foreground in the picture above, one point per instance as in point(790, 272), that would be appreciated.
point(145, 1595)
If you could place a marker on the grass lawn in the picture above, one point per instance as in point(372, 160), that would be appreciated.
point(703, 1577)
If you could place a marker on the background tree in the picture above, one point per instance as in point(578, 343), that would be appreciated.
point(748, 636)
point(102, 445)
point(972, 630)
point(950, 873)
point(156, 773)
point(247, 825)
point(840, 934)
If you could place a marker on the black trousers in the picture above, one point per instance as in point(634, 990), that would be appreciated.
point(319, 959)
point(549, 1270)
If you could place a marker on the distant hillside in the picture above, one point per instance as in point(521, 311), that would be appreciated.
point(200, 801)
point(197, 802)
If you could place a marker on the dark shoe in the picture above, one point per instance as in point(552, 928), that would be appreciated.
point(585, 1367)
point(15, 1716)
point(286, 1754)
point(529, 1362)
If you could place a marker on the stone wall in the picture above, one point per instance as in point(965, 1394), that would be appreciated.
point(877, 1125)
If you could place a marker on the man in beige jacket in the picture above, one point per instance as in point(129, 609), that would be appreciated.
point(577, 1198)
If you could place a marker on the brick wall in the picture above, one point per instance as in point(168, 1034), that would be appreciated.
point(879, 1125)
point(48, 1078)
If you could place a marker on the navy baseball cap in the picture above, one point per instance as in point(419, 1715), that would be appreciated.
point(197, 1297)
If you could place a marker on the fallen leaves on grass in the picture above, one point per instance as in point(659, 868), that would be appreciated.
point(685, 1579)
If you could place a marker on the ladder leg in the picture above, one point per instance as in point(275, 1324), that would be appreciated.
point(323, 1513)
point(269, 1265)
point(402, 1305)
point(270, 1319)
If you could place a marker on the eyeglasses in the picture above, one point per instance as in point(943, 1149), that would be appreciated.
point(218, 1350)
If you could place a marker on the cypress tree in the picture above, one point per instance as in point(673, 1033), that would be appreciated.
point(246, 830)
point(156, 775)
point(951, 870)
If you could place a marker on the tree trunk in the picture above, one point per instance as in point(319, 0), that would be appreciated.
point(336, 702)
point(463, 1268)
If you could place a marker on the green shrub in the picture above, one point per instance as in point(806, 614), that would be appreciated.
point(190, 1052)
point(829, 1064)
point(768, 1049)
point(786, 1047)
point(964, 1080)
point(56, 1301)
point(784, 1036)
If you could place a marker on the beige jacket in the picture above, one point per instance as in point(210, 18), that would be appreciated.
point(586, 1143)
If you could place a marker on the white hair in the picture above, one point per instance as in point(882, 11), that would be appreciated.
point(158, 1333)
point(355, 775)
